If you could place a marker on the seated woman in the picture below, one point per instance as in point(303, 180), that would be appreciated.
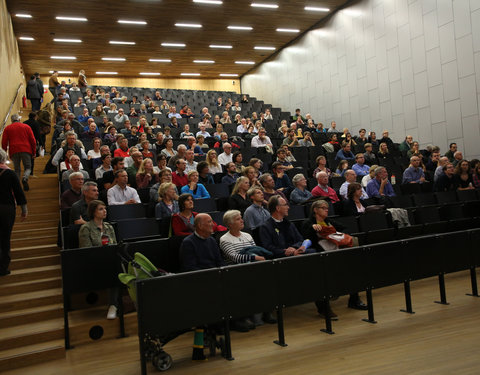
point(204, 176)
point(182, 223)
point(98, 111)
point(354, 205)
point(144, 147)
point(342, 168)
point(369, 176)
point(334, 142)
point(237, 159)
point(186, 132)
point(168, 151)
point(194, 188)
point(463, 178)
point(300, 194)
point(213, 165)
point(321, 162)
point(384, 155)
point(476, 176)
point(167, 201)
point(98, 232)
point(146, 176)
point(252, 175)
point(238, 200)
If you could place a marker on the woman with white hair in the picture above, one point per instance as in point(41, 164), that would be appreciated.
point(300, 194)
point(11, 194)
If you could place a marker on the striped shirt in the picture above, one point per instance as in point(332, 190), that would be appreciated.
point(231, 247)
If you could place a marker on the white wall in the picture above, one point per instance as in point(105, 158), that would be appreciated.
point(410, 66)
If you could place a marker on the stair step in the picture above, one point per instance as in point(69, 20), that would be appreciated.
point(33, 233)
point(30, 223)
point(31, 286)
point(39, 216)
point(35, 273)
point(31, 299)
point(39, 240)
point(31, 355)
point(34, 251)
point(31, 315)
point(48, 260)
point(27, 334)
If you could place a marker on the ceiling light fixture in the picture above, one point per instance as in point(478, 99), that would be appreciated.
point(149, 73)
point(26, 38)
point(190, 25)
point(204, 61)
point(113, 58)
point(160, 60)
point(249, 28)
point(120, 42)
point(182, 45)
point(63, 57)
point(281, 30)
point(61, 72)
point(265, 48)
point(245, 62)
point(190, 74)
point(220, 46)
point(130, 22)
point(23, 15)
point(228, 75)
point(67, 40)
point(317, 9)
point(262, 5)
point(106, 73)
point(213, 2)
point(79, 19)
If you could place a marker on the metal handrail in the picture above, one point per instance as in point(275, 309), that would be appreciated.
point(10, 109)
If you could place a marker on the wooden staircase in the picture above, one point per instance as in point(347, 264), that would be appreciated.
point(31, 308)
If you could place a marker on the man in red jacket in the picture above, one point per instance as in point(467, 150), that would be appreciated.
point(19, 138)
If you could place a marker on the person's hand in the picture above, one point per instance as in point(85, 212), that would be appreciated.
point(259, 258)
point(413, 182)
point(422, 179)
point(290, 251)
point(80, 221)
point(299, 251)
point(131, 201)
point(23, 216)
point(384, 181)
point(317, 227)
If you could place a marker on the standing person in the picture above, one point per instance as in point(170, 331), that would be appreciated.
point(39, 83)
point(82, 81)
point(11, 194)
point(35, 126)
point(19, 138)
point(32, 93)
point(53, 84)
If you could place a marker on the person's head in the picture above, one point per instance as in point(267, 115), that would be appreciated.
point(212, 157)
point(435, 156)
point(231, 168)
point(189, 156)
point(281, 154)
point(346, 147)
point(97, 210)
point(69, 152)
point(250, 172)
point(319, 209)
point(237, 157)
point(372, 169)
point(415, 161)
point(233, 220)
point(121, 177)
point(106, 159)
point(159, 137)
point(90, 191)
point(442, 161)
point(75, 162)
point(202, 169)
point(267, 181)
point(333, 138)
point(342, 165)
point(203, 225)
point(181, 165)
point(362, 133)
point(354, 191)
point(192, 176)
point(169, 143)
point(255, 163)
point(384, 148)
point(449, 169)
point(299, 181)
point(278, 167)
point(360, 159)
point(227, 148)
point(368, 147)
point(409, 139)
point(3, 156)
point(255, 194)
point(373, 135)
point(415, 146)
point(463, 166)
point(381, 173)
point(97, 142)
point(165, 176)
point(167, 190)
point(146, 166)
point(458, 155)
point(241, 185)
point(181, 149)
point(118, 163)
point(385, 134)
point(321, 161)
point(76, 181)
point(185, 202)
point(137, 158)
point(453, 147)
point(333, 124)
point(350, 176)
point(322, 178)
point(71, 138)
point(278, 207)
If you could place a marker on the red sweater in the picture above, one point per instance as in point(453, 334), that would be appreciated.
point(180, 228)
point(19, 138)
point(120, 153)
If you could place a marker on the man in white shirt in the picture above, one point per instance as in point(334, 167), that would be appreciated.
point(242, 128)
point(173, 113)
point(226, 156)
point(350, 177)
point(261, 140)
point(121, 193)
point(202, 132)
point(191, 164)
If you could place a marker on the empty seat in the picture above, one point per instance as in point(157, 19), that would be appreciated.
point(401, 201)
point(424, 199)
point(375, 225)
point(137, 228)
point(296, 212)
point(446, 197)
point(467, 195)
point(125, 211)
point(218, 190)
point(204, 205)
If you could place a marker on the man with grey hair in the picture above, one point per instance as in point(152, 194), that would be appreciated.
point(22, 147)
point(226, 156)
point(70, 196)
point(380, 186)
point(71, 142)
point(350, 177)
point(414, 173)
point(74, 167)
point(181, 150)
point(300, 194)
point(78, 212)
point(439, 170)
point(255, 215)
point(457, 158)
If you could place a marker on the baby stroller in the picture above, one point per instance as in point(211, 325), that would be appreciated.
point(140, 268)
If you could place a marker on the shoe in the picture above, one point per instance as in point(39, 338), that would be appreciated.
point(357, 305)
point(112, 312)
point(269, 318)
point(329, 313)
point(5, 273)
point(240, 326)
point(25, 184)
point(250, 324)
point(257, 320)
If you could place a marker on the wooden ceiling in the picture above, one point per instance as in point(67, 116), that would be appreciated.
point(161, 17)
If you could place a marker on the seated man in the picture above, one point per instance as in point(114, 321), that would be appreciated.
point(322, 189)
point(413, 174)
point(268, 184)
point(120, 193)
point(360, 168)
point(278, 234)
point(345, 153)
point(282, 157)
point(261, 140)
point(179, 177)
point(350, 177)
point(226, 156)
point(282, 181)
point(300, 194)
point(75, 167)
point(231, 176)
point(380, 186)
point(70, 196)
point(255, 215)
point(446, 181)
point(79, 211)
point(122, 150)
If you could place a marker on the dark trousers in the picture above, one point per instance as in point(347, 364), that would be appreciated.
point(7, 218)
point(35, 104)
point(53, 90)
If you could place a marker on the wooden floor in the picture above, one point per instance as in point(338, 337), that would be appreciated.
point(437, 339)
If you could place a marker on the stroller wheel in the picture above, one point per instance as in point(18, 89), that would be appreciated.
point(162, 361)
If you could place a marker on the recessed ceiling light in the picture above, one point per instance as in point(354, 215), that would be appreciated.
point(130, 22)
point(220, 46)
point(26, 38)
point(240, 28)
point(80, 19)
point(281, 30)
point(67, 40)
point(160, 60)
point(265, 48)
point(61, 72)
point(105, 73)
point(262, 5)
point(149, 73)
point(190, 74)
point(113, 58)
point(23, 15)
point(204, 61)
point(245, 62)
point(63, 57)
point(317, 9)
point(191, 25)
point(214, 2)
point(120, 42)
point(228, 75)
point(173, 45)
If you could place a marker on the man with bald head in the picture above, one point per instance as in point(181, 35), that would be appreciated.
point(322, 189)
point(200, 250)
point(350, 177)
point(414, 173)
